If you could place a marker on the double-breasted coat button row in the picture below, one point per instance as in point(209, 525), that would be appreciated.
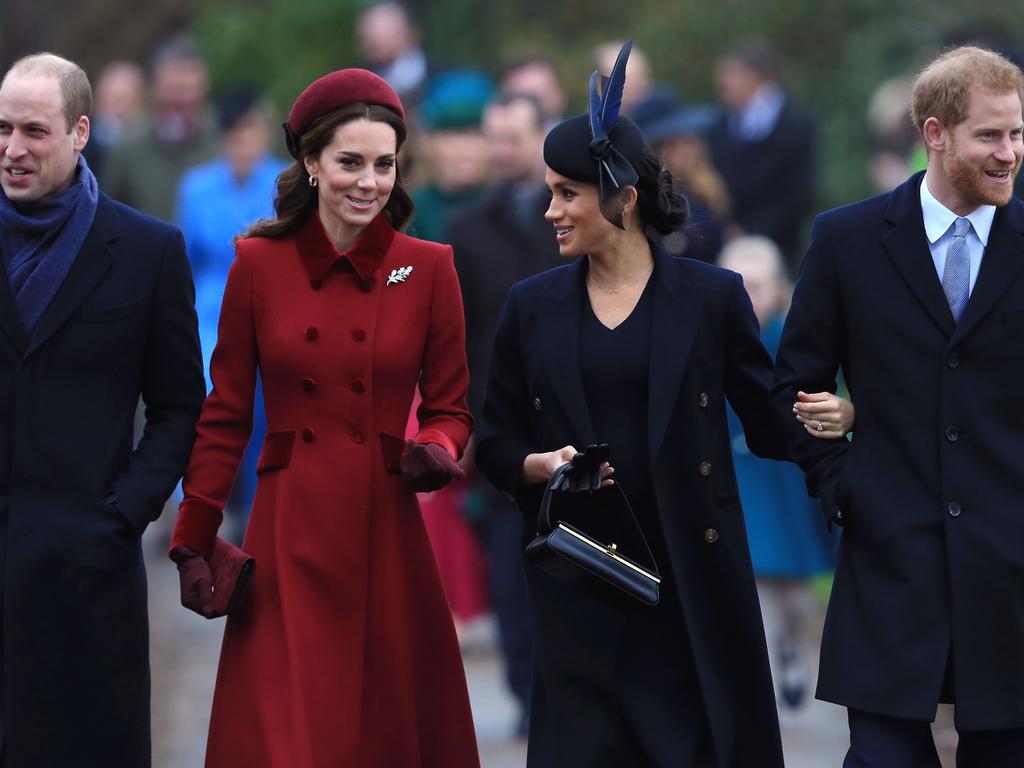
point(704, 468)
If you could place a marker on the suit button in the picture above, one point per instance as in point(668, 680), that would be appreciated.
point(359, 335)
point(316, 285)
point(953, 360)
point(308, 435)
point(954, 509)
point(711, 535)
point(308, 384)
point(838, 516)
point(312, 334)
point(366, 285)
point(952, 434)
point(538, 406)
point(357, 386)
point(702, 401)
point(358, 436)
point(704, 468)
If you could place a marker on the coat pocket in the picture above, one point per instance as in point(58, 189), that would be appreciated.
point(108, 314)
point(277, 451)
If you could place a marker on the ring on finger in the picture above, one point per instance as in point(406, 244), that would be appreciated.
point(820, 426)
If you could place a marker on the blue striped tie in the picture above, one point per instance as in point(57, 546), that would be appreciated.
point(956, 277)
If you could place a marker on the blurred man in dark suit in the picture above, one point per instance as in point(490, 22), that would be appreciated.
point(497, 242)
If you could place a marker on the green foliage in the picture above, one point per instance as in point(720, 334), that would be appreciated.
point(835, 52)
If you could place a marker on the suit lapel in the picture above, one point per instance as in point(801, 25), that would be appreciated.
point(560, 341)
point(677, 311)
point(89, 267)
point(1000, 266)
point(10, 320)
point(907, 246)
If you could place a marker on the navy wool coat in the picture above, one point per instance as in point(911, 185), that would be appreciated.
point(928, 600)
point(75, 497)
point(705, 350)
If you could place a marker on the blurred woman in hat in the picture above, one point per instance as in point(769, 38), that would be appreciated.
point(343, 653)
point(640, 350)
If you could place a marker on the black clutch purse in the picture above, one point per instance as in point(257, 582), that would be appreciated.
point(565, 551)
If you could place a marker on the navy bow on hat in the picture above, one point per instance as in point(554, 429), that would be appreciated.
point(614, 170)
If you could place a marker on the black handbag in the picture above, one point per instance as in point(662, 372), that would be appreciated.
point(565, 551)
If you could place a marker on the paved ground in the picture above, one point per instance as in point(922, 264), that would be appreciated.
point(184, 656)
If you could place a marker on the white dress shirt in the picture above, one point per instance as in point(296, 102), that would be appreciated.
point(938, 227)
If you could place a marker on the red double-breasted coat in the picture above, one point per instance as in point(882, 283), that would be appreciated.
point(344, 653)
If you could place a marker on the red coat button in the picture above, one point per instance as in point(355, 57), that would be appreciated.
point(357, 385)
point(358, 436)
point(308, 435)
point(308, 384)
point(312, 334)
point(359, 335)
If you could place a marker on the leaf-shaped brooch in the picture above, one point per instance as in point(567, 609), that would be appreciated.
point(399, 275)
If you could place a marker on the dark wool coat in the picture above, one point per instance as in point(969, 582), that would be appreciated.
point(705, 350)
point(931, 565)
point(75, 498)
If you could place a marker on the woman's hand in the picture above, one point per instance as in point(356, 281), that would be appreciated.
point(539, 467)
point(196, 581)
point(823, 414)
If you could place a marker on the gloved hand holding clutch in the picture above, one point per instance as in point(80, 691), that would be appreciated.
point(587, 469)
point(427, 467)
point(196, 581)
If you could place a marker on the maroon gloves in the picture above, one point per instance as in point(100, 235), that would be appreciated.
point(196, 581)
point(426, 468)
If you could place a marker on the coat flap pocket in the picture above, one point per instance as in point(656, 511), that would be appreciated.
point(277, 451)
point(106, 314)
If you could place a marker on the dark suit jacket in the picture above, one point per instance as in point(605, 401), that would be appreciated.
point(771, 182)
point(931, 565)
point(495, 246)
point(705, 350)
point(75, 497)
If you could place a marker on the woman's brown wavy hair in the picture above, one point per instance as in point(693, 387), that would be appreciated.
point(295, 199)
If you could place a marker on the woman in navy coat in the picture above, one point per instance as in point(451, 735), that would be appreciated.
point(629, 346)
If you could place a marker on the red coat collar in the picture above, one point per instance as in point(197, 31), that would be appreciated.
point(319, 254)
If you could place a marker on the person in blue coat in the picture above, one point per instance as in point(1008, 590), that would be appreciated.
point(788, 543)
point(216, 202)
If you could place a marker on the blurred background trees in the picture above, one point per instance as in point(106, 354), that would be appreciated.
point(835, 52)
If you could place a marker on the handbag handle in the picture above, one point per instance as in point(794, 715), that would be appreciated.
point(545, 524)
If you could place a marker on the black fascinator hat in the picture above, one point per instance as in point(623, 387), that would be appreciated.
point(600, 146)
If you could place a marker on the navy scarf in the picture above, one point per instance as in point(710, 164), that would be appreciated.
point(40, 240)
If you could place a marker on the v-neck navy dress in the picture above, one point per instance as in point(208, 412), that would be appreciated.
point(659, 700)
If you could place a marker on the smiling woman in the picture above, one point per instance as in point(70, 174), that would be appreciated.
point(345, 654)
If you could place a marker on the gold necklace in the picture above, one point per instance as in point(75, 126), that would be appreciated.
point(621, 288)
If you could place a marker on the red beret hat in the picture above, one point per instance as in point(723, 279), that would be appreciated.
point(333, 91)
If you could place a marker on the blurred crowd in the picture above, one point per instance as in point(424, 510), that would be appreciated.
point(169, 143)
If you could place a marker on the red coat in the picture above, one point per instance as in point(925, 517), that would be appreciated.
point(344, 653)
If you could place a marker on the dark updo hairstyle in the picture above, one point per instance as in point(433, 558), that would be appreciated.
point(296, 200)
point(660, 206)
